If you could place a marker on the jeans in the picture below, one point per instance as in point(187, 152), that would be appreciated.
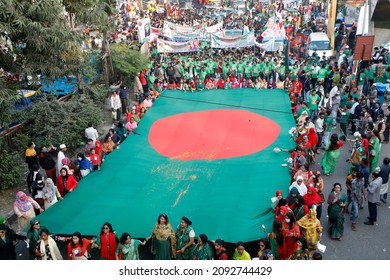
point(354, 211)
point(313, 114)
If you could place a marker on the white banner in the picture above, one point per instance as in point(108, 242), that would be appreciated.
point(144, 29)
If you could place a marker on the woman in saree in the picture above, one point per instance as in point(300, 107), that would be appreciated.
point(373, 150)
point(305, 173)
point(332, 154)
point(336, 209)
point(107, 242)
point(163, 239)
point(291, 232)
point(292, 198)
point(312, 198)
point(301, 251)
point(127, 248)
point(203, 250)
point(300, 209)
point(276, 240)
point(311, 229)
point(185, 240)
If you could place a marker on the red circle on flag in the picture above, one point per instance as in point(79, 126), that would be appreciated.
point(212, 134)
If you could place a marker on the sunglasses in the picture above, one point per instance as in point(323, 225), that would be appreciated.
point(37, 223)
point(2, 231)
point(106, 228)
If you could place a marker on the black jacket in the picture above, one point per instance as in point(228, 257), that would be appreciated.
point(7, 247)
point(46, 161)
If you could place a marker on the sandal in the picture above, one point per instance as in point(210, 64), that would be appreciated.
point(353, 227)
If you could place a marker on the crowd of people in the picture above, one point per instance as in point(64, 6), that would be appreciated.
point(324, 94)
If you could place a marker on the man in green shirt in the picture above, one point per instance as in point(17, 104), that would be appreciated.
point(313, 99)
point(345, 113)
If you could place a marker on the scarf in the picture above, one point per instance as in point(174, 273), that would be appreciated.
point(312, 198)
point(129, 251)
point(310, 221)
point(24, 205)
point(291, 199)
point(163, 232)
point(108, 246)
point(49, 192)
point(55, 253)
point(98, 147)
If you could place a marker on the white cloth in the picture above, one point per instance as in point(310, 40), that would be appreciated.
point(301, 188)
point(54, 251)
point(60, 157)
point(384, 188)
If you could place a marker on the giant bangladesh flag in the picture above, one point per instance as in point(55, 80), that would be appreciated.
point(204, 155)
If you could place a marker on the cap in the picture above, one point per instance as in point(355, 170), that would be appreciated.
point(374, 84)
point(62, 146)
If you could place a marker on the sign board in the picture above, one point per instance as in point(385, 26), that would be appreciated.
point(363, 48)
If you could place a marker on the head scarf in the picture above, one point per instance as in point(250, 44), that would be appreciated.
point(66, 161)
point(310, 221)
point(299, 178)
point(278, 192)
point(49, 192)
point(290, 198)
point(312, 198)
point(25, 205)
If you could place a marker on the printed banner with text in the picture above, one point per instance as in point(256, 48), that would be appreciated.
point(175, 47)
point(243, 41)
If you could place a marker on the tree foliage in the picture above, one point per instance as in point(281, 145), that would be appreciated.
point(127, 61)
point(54, 122)
point(10, 171)
point(8, 97)
point(42, 42)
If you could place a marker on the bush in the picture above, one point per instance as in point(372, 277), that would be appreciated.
point(10, 170)
point(53, 122)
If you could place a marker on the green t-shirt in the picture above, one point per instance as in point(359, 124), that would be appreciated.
point(362, 79)
point(329, 122)
point(313, 101)
point(256, 70)
point(321, 74)
point(344, 117)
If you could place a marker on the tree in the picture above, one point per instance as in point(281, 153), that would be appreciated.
point(8, 97)
point(127, 61)
point(42, 43)
point(54, 122)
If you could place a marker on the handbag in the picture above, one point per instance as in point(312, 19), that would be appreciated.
point(113, 113)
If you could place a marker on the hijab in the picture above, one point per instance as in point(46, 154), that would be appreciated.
point(312, 198)
point(291, 199)
point(23, 205)
point(49, 191)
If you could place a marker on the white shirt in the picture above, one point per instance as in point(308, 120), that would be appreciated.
point(115, 102)
point(60, 157)
point(319, 125)
point(91, 133)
